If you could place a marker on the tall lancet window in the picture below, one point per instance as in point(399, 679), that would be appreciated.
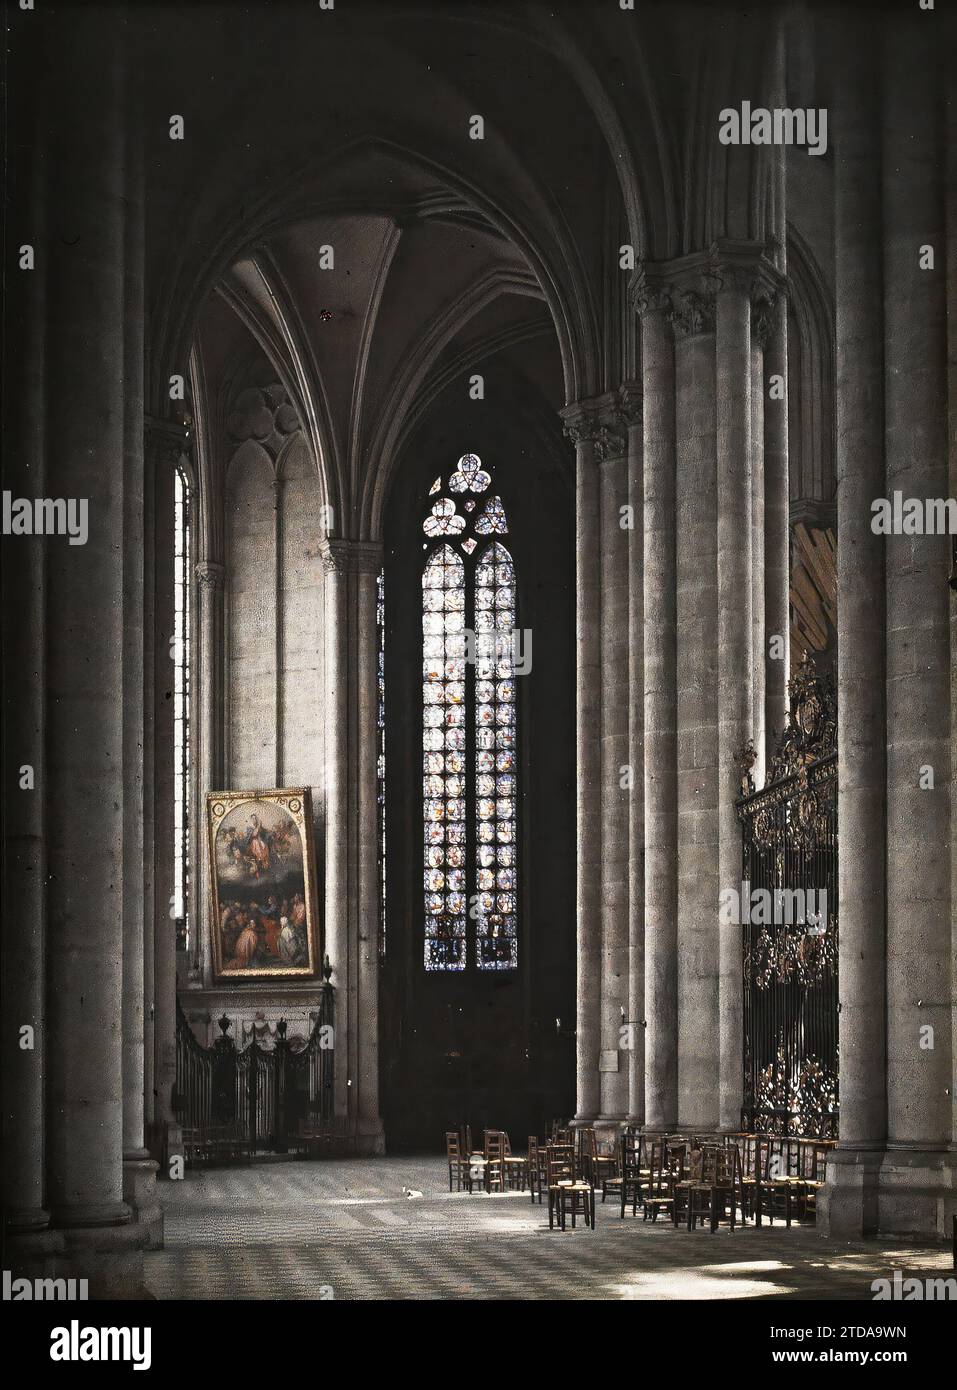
point(469, 727)
point(181, 707)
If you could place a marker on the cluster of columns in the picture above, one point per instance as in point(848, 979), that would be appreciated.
point(351, 897)
point(682, 573)
point(79, 922)
point(896, 1165)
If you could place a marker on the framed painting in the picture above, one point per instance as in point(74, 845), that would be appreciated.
point(263, 884)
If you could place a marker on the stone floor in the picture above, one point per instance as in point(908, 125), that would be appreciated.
point(346, 1230)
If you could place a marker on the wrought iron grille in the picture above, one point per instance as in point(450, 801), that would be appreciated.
point(790, 893)
point(231, 1102)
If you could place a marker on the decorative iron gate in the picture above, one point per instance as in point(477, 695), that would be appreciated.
point(790, 930)
point(231, 1103)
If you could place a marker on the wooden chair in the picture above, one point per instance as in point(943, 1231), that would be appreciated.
point(778, 1183)
point(715, 1186)
point(457, 1161)
point(567, 1194)
point(515, 1167)
point(593, 1165)
point(748, 1146)
point(537, 1171)
point(494, 1160)
point(814, 1171)
point(473, 1161)
point(630, 1180)
point(667, 1169)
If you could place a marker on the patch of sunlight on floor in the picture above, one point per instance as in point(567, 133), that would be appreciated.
point(479, 1195)
point(754, 1266)
point(679, 1284)
point(889, 1259)
point(511, 1226)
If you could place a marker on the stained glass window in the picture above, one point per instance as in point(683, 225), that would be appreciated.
point(495, 785)
point(445, 520)
point(470, 732)
point(492, 521)
point(181, 708)
point(443, 758)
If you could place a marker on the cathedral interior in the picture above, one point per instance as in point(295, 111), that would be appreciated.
point(479, 610)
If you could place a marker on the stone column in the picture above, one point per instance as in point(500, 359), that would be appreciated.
point(661, 848)
point(631, 408)
point(735, 267)
point(87, 377)
point(777, 543)
point(209, 704)
point(697, 683)
point(849, 1205)
point(165, 443)
point(773, 328)
point(139, 1169)
point(919, 1044)
point(611, 452)
point(952, 418)
point(368, 559)
point(761, 326)
point(23, 562)
point(278, 485)
point(581, 428)
point(336, 810)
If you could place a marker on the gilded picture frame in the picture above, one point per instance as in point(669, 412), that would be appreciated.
point(264, 919)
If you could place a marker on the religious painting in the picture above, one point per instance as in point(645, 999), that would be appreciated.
point(262, 884)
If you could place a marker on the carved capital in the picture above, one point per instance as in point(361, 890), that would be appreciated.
point(762, 317)
point(745, 266)
point(631, 402)
point(650, 292)
point(579, 423)
point(599, 422)
point(610, 444)
point(350, 557)
point(693, 310)
point(611, 441)
point(210, 575)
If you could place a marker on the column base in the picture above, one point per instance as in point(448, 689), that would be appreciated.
point(847, 1204)
point(370, 1137)
point(895, 1191)
point(109, 1258)
point(93, 1215)
point(25, 1220)
point(139, 1192)
point(165, 1142)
